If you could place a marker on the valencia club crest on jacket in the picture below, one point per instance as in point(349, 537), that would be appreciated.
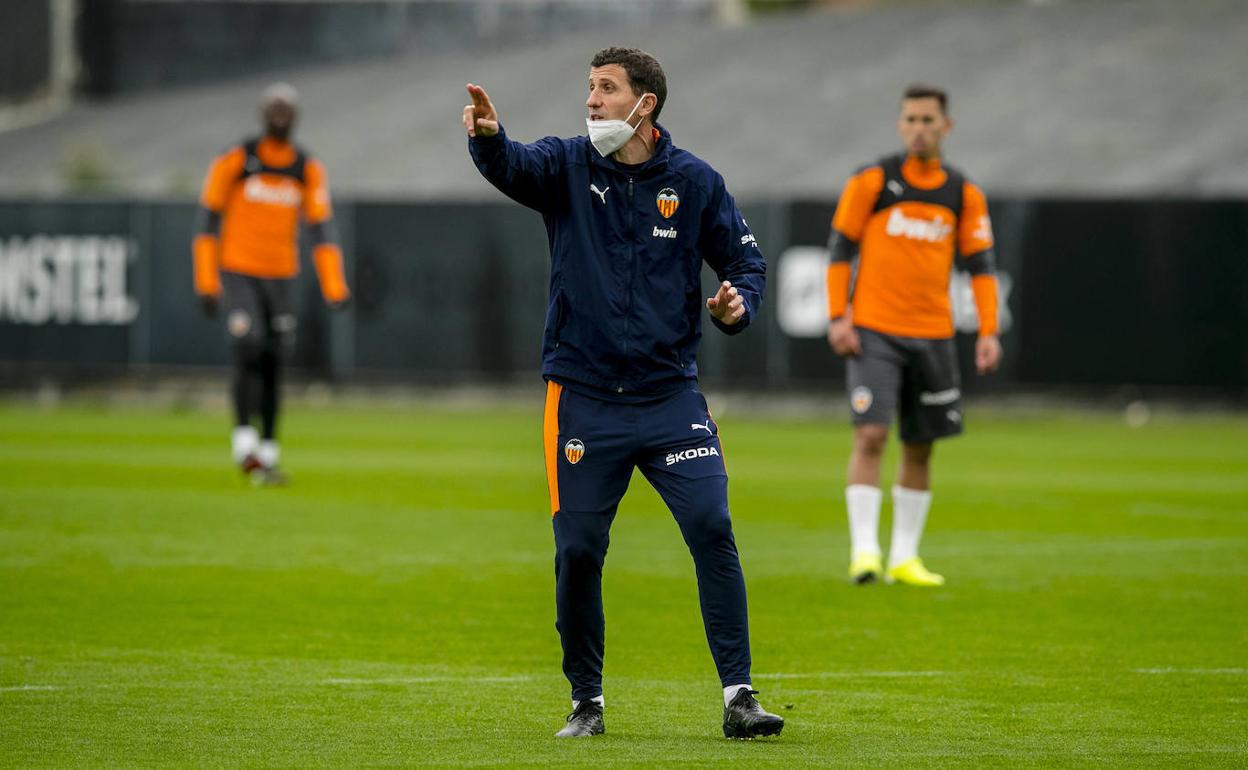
point(574, 450)
point(668, 201)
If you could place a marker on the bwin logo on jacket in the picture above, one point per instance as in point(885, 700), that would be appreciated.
point(916, 229)
point(668, 201)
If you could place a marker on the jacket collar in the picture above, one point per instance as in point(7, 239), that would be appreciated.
point(657, 162)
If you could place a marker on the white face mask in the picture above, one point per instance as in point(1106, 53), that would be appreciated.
point(608, 136)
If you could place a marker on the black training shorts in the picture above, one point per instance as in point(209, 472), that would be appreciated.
point(258, 311)
point(919, 376)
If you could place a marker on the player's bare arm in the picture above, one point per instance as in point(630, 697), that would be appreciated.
point(480, 117)
point(987, 354)
point(727, 306)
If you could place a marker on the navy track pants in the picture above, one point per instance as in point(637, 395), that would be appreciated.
point(592, 447)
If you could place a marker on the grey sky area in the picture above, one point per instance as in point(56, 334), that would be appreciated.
point(1097, 98)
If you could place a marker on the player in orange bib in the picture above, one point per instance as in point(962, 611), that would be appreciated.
point(246, 253)
point(905, 219)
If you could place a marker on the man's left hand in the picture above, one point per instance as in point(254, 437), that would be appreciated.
point(727, 306)
point(208, 303)
point(987, 354)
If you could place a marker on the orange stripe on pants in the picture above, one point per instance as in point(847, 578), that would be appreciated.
point(550, 441)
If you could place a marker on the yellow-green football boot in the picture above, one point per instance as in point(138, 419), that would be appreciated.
point(865, 568)
point(913, 573)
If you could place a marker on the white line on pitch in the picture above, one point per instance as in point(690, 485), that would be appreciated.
point(28, 688)
point(1190, 670)
point(433, 680)
point(852, 674)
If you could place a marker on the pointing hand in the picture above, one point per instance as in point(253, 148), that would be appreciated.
point(480, 117)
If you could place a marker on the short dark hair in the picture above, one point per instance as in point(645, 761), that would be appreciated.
point(645, 76)
point(924, 91)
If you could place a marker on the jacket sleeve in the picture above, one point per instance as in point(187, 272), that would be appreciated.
point(975, 243)
point(206, 242)
point(729, 247)
point(318, 212)
point(206, 252)
point(853, 209)
point(526, 173)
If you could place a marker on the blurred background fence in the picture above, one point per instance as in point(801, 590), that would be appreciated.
point(1108, 135)
point(1099, 293)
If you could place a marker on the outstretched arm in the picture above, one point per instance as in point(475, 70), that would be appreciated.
point(526, 173)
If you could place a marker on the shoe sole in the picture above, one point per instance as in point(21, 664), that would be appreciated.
point(892, 581)
point(865, 578)
point(589, 734)
point(761, 731)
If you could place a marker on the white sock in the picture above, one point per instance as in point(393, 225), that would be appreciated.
point(863, 504)
point(243, 442)
point(731, 691)
point(909, 514)
point(269, 453)
point(599, 700)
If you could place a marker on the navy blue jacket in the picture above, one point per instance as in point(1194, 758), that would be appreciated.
point(624, 318)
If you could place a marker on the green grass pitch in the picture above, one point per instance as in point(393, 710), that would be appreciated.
point(394, 606)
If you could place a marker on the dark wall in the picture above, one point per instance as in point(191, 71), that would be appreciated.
point(1139, 292)
point(1147, 293)
point(25, 48)
point(446, 289)
point(128, 45)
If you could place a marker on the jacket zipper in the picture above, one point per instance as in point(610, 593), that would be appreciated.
point(628, 310)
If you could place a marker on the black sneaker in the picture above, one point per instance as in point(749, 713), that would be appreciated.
point(584, 721)
point(744, 719)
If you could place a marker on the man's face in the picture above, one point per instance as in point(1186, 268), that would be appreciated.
point(611, 97)
point(279, 119)
point(923, 125)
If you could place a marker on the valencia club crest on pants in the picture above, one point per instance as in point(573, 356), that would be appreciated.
point(668, 201)
point(574, 450)
point(861, 399)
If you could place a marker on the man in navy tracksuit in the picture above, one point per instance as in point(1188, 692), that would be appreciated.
point(630, 219)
